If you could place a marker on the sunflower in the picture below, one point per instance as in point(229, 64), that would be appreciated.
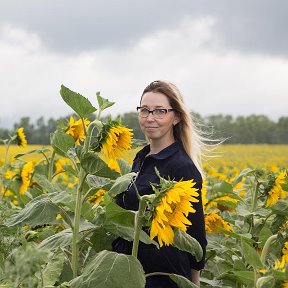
point(113, 164)
point(172, 211)
point(223, 203)
point(76, 129)
point(285, 284)
point(113, 140)
point(204, 193)
point(277, 192)
point(213, 222)
point(21, 138)
point(26, 175)
point(97, 197)
point(280, 264)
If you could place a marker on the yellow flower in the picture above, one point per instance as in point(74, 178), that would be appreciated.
point(285, 284)
point(240, 189)
point(112, 164)
point(118, 139)
point(203, 194)
point(220, 203)
point(213, 222)
point(172, 211)
point(59, 165)
point(277, 191)
point(26, 175)
point(280, 264)
point(21, 138)
point(76, 129)
point(97, 197)
point(15, 202)
point(8, 174)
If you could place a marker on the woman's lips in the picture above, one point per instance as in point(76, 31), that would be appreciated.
point(150, 128)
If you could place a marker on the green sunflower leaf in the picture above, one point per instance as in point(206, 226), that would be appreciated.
point(124, 166)
point(41, 210)
point(120, 222)
point(109, 270)
point(93, 164)
point(182, 282)
point(53, 270)
point(61, 239)
point(61, 142)
point(81, 105)
point(121, 184)
point(265, 282)
point(250, 254)
point(45, 184)
point(242, 174)
point(280, 208)
point(103, 103)
point(223, 187)
point(185, 242)
point(39, 151)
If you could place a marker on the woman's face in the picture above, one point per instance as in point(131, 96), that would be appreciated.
point(158, 130)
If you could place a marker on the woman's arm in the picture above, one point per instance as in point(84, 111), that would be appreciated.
point(196, 277)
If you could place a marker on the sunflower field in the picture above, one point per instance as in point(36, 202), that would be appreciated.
point(58, 216)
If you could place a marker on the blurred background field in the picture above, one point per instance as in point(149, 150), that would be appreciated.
point(225, 157)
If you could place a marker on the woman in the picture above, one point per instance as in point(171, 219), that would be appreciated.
point(175, 150)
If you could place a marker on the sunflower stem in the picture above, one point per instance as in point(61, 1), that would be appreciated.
point(266, 247)
point(91, 126)
point(7, 145)
point(138, 225)
point(255, 196)
point(76, 224)
point(78, 204)
point(50, 167)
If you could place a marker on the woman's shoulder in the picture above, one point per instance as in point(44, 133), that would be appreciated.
point(182, 166)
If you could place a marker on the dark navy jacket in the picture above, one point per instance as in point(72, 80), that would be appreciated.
point(171, 162)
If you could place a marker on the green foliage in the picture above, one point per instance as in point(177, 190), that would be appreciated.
point(61, 230)
point(252, 129)
point(182, 282)
point(103, 103)
point(38, 211)
point(81, 105)
point(109, 270)
point(62, 142)
point(24, 267)
point(185, 242)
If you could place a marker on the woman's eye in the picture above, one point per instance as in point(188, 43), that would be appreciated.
point(160, 111)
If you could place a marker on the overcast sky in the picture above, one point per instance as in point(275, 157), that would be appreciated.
point(228, 57)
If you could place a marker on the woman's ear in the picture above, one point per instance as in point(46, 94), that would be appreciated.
point(176, 120)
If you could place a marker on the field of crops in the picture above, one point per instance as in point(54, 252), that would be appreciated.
point(58, 216)
point(270, 157)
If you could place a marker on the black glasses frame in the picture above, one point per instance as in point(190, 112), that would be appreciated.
point(152, 111)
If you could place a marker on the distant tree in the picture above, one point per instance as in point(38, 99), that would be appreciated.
point(4, 133)
point(282, 130)
point(28, 128)
point(131, 120)
point(242, 130)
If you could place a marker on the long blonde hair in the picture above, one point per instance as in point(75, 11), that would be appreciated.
point(186, 130)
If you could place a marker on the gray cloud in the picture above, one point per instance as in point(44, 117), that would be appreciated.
point(221, 54)
point(257, 26)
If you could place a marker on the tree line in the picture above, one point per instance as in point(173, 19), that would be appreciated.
point(253, 129)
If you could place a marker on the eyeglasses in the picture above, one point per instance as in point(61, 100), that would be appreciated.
point(158, 113)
